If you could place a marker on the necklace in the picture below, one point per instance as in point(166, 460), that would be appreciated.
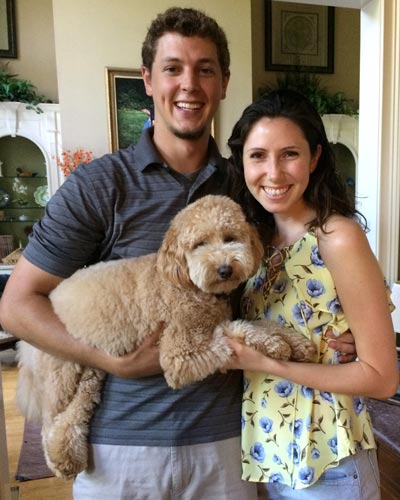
point(273, 259)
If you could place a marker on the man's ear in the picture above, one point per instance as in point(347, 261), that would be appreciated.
point(146, 75)
point(225, 81)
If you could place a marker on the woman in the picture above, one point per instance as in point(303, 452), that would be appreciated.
point(306, 430)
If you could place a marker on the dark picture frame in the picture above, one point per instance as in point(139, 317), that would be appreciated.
point(129, 107)
point(8, 34)
point(299, 37)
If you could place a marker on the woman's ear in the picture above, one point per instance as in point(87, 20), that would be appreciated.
point(315, 158)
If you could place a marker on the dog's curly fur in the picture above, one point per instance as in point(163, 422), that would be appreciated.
point(206, 253)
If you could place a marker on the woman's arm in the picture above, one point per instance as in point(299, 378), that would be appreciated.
point(361, 291)
point(26, 311)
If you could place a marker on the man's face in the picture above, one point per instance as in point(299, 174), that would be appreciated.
point(187, 84)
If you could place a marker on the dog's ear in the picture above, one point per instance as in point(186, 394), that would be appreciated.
point(171, 260)
point(257, 247)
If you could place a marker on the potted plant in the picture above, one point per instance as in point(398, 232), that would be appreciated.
point(13, 89)
point(310, 85)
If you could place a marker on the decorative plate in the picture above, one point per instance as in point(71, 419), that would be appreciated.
point(41, 196)
point(4, 198)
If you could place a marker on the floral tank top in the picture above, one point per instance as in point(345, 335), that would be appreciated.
point(291, 433)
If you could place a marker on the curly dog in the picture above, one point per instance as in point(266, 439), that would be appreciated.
point(206, 253)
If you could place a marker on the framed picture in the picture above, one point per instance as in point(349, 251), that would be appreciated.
point(8, 43)
point(129, 108)
point(299, 37)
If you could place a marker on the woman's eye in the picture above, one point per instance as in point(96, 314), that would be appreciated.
point(256, 156)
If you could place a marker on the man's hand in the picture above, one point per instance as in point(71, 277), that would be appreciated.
point(344, 344)
point(143, 362)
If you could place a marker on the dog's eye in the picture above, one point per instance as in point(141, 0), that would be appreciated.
point(198, 244)
point(229, 239)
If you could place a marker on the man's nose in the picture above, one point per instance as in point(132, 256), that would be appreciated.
point(190, 81)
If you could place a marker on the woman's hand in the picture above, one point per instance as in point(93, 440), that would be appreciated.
point(246, 358)
point(344, 344)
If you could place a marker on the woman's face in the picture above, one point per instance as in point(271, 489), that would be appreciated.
point(277, 165)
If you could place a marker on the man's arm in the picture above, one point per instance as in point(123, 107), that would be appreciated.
point(26, 312)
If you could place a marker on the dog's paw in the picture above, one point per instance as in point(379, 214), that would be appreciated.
point(190, 367)
point(66, 449)
point(303, 349)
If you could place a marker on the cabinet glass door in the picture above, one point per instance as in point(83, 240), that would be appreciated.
point(23, 189)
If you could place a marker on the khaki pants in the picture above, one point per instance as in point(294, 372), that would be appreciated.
point(210, 471)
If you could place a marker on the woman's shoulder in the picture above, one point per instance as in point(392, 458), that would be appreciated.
point(341, 235)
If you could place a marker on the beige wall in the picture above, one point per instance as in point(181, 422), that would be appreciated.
point(35, 44)
point(347, 52)
point(91, 35)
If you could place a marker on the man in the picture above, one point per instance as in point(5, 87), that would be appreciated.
point(147, 441)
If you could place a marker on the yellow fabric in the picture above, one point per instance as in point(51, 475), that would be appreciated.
point(292, 434)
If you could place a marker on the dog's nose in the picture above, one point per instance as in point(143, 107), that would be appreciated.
point(225, 271)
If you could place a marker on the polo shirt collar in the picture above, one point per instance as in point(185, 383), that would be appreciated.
point(146, 153)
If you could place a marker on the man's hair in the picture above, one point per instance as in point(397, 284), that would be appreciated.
point(186, 22)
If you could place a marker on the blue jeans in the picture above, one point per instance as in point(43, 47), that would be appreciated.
point(355, 478)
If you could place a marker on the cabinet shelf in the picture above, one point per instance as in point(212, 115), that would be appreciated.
point(23, 177)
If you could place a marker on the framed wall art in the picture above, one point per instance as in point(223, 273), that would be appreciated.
point(129, 107)
point(8, 35)
point(299, 37)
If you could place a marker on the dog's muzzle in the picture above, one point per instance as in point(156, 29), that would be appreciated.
point(225, 271)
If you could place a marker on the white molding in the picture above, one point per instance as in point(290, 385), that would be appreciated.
point(44, 129)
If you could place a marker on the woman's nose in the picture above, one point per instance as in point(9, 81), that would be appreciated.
point(273, 168)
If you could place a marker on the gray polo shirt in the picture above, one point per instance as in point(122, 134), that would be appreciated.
point(120, 205)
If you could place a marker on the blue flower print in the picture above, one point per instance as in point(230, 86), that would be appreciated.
point(327, 396)
point(307, 392)
point(298, 427)
point(280, 319)
point(306, 474)
point(246, 383)
point(276, 478)
point(266, 424)
point(308, 422)
point(315, 454)
point(279, 286)
point(264, 403)
point(316, 257)
point(332, 443)
point(358, 405)
point(243, 422)
point(293, 451)
point(284, 388)
point(277, 460)
point(258, 282)
point(267, 311)
point(315, 288)
point(257, 452)
point(318, 330)
point(334, 306)
point(301, 310)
